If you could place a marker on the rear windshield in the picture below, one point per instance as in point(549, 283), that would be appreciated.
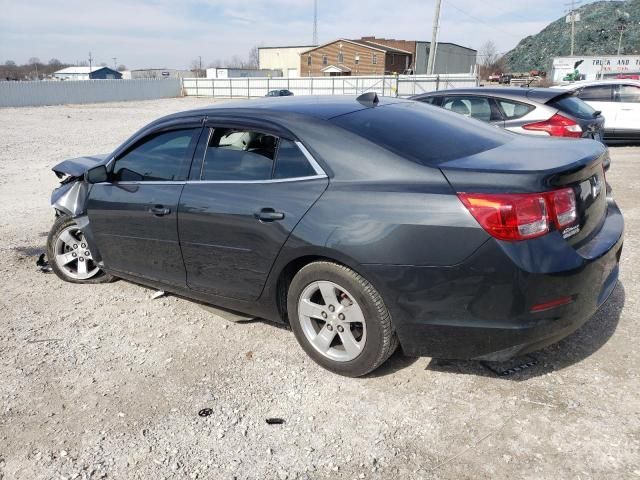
point(573, 106)
point(422, 133)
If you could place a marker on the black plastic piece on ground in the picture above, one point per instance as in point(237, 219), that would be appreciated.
point(205, 412)
point(43, 264)
point(275, 421)
point(503, 369)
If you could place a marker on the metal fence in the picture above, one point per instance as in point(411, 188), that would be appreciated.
point(22, 94)
point(401, 86)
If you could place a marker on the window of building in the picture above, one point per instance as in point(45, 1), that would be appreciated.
point(357, 59)
point(308, 59)
point(393, 59)
point(163, 157)
point(324, 60)
point(340, 57)
point(374, 59)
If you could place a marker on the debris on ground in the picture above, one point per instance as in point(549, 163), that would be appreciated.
point(503, 369)
point(43, 264)
point(205, 412)
point(275, 421)
point(158, 294)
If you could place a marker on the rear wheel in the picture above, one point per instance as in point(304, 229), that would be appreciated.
point(339, 319)
point(69, 254)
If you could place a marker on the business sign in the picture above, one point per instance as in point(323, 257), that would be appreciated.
point(593, 68)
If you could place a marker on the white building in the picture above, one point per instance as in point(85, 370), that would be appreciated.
point(87, 73)
point(285, 59)
point(595, 68)
point(241, 72)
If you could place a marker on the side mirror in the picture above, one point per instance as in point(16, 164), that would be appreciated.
point(97, 174)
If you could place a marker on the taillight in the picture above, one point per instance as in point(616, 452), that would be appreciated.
point(557, 126)
point(521, 216)
point(564, 206)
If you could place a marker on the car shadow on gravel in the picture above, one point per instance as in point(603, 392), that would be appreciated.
point(578, 346)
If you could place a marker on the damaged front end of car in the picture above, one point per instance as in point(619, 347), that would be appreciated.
point(70, 198)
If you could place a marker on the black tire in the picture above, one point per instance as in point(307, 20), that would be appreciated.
point(381, 340)
point(61, 223)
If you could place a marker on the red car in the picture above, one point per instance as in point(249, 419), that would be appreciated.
point(623, 76)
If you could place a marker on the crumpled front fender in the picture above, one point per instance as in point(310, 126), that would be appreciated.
point(71, 198)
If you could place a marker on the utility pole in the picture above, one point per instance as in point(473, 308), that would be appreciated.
point(434, 39)
point(90, 60)
point(115, 63)
point(621, 28)
point(572, 18)
point(315, 22)
point(573, 27)
point(200, 65)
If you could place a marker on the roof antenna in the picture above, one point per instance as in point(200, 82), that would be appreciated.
point(369, 99)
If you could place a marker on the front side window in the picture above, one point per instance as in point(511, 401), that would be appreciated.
point(163, 157)
point(629, 93)
point(308, 59)
point(374, 58)
point(340, 57)
point(324, 60)
point(596, 93)
point(357, 59)
point(236, 154)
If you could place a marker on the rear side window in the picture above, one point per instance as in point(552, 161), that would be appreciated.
point(629, 94)
point(471, 106)
point(429, 100)
point(596, 93)
point(163, 157)
point(513, 110)
point(291, 162)
point(235, 154)
point(422, 134)
point(573, 106)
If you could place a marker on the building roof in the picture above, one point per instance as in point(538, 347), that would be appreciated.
point(336, 68)
point(81, 70)
point(289, 46)
point(362, 43)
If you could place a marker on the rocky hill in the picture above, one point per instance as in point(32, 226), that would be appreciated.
point(596, 34)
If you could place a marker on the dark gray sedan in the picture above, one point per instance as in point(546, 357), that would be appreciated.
point(362, 223)
point(530, 111)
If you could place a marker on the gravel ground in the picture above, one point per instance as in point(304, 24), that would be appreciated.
point(105, 382)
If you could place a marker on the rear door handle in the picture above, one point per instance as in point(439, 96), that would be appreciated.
point(159, 210)
point(269, 215)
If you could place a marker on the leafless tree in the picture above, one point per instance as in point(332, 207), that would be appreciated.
point(491, 61)
point(196, 68)
point(54, 62)
point(122, 68)
point(34, 61)
point(254, 58)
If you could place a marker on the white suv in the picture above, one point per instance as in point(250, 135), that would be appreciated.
point(619, 102)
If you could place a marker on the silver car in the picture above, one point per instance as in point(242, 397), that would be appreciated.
point(529, 111)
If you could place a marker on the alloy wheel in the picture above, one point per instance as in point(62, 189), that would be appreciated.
point(72, 254)
point(332, 321)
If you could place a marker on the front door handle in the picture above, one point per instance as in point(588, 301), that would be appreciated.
point(159, 210)
point(269, 215)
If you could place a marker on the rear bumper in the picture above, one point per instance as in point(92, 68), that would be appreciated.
point(481, 309)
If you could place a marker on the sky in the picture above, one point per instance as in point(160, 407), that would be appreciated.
point(172, 33)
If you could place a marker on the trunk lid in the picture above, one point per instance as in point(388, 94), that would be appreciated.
point(533, 165)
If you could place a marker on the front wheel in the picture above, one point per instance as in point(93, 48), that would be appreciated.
point(339, 319)
point(69, 254)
